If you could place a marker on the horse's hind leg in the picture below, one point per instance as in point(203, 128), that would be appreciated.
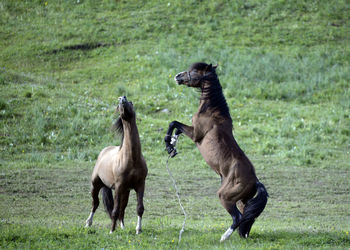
point(97, 184)
point(236, 217)
point(228, 198)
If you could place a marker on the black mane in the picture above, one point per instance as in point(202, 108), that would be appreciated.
point(199, 66)
point(118, 129)
point(214, 97)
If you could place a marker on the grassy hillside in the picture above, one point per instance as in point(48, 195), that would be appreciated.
point(284, 67)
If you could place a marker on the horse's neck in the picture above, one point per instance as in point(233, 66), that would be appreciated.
point(207, 98)
point(202, 103)
point(212, 101)
point(131, 141)
point(204, 99)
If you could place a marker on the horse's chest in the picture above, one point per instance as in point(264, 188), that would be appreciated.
point(202, 125)
point(208, 148)
point(201, 121)
point(130, 171)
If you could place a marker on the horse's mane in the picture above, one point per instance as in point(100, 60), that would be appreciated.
point(214, 97)
point(117, 128)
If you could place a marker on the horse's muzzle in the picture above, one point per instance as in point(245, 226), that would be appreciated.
point(180, 78)
point(122, 100)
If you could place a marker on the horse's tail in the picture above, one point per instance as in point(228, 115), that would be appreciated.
point(252, 210)
point(108, 201)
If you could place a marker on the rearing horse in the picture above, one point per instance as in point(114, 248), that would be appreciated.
point(211, 131)
point(121, 168)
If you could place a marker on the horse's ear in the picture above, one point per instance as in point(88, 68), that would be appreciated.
point(209, 67)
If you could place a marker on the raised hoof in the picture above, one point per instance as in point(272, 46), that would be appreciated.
point(170, 149)
point(173, 153)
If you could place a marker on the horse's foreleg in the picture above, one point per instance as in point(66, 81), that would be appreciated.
point(116, 210)
point(123, 203)
point(180, 128)
point(96, 187)
point(140, 209)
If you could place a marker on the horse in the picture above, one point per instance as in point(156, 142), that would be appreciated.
point(211, 131)
point(121, 168)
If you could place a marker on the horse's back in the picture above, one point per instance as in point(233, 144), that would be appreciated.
point(104, 165)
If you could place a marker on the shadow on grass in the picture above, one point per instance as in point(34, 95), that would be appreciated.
point(82, 46)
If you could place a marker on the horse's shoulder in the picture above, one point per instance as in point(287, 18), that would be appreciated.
point(201, 119)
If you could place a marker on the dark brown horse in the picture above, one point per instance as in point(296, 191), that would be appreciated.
point(121, 168)
point(211, 131)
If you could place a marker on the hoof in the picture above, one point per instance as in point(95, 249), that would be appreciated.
point(223, 239)
point(138, 231)
point(88, 223)
point(173, 153)
point(226, 235)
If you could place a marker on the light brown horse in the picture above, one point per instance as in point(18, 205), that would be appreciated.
point(121, 168)
point(211, 131)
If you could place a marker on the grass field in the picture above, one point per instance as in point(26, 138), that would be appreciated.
point(285, 71)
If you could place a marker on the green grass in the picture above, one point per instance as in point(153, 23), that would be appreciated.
point(284, 67)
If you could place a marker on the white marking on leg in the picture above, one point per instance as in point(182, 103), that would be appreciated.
point(122, 225)
point(89, 220)
point(227, 234)
point(139, 225)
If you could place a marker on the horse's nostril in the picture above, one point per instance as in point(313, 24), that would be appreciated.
point(179, 76)
point(122, 99)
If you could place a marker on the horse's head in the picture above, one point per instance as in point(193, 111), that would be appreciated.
point(126, 109)
point(196, 75)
